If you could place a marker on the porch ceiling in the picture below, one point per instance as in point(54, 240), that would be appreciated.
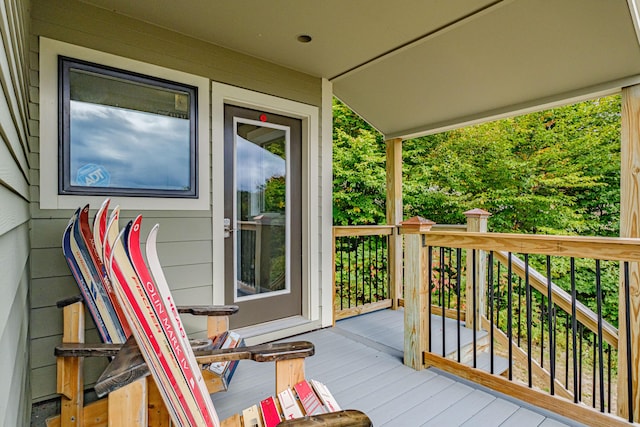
point(411, 67)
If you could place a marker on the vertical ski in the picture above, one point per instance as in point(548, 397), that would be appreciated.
point(156, 332)
point(85, 289)
point(91, 277)
point(94, 260)
point(144, 329)
point(162, 301)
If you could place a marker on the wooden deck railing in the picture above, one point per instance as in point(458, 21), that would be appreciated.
point(551, 338)
point(361, 273)
point(545, 304)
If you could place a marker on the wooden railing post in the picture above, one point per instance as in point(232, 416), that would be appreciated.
point(416, 292)
point(630, 227)
point(476, 222)
point(394, 217)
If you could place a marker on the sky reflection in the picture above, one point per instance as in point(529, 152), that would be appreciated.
point(138, 150)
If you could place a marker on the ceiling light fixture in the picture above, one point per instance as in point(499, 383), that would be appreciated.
point(304, 38)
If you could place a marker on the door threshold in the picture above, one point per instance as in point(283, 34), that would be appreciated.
point(277, 329)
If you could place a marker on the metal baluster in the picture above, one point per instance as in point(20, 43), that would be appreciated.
point(498, 296)
point(510, 315)
point(430, 271)
point(593, 382)
point(363, 277)
point(475, 308)
point(349, 266)
point(376, 267)
point(627, 315)
point(566, 353)
point(444, 332)
point(543, 313)
point(449, 251)
point(458, 291)
point(574, 330)
point(369, 267)
point(339, 244)
point(609, 378)
point(600, 345)
point(529, 304)
point(490, 291)
point(552, 345)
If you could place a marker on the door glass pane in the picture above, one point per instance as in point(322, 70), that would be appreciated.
point(261, 210)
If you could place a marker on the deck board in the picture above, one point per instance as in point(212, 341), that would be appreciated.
point(462, 410)
point(360, 360)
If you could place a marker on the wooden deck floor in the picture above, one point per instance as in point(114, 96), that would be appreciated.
point(360, 360)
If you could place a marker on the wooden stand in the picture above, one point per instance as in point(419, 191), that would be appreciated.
point(132, 397)
point(136, 403)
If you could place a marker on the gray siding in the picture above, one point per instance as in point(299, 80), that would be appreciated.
point(185, 245)
point(15, 107)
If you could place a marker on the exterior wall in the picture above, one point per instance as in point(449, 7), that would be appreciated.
point(15, 164)
point(186, 246)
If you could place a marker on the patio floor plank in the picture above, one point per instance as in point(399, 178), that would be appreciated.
point(360, 360)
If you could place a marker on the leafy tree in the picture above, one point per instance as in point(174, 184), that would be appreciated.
point(359, 170)
point(554, 172)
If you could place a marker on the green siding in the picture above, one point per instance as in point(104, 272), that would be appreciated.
point(184, 240)
point(15, 393)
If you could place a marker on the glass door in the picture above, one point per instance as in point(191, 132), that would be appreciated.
point(262, 210)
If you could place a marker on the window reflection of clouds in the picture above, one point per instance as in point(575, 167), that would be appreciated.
point(256, 165)
point(139, 150)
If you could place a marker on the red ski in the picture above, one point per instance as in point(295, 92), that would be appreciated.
point(97, 266)
point(159, 333)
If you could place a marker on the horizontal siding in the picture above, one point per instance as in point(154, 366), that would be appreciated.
point(15, 210)
point(15, 393)
point(13, 341)
point(14, 253)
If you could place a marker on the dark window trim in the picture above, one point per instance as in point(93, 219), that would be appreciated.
point(64, 160)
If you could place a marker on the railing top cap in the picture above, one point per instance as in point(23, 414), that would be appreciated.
point(477, 212)
point(416, 224)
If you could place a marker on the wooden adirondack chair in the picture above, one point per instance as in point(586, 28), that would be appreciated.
point(175, 391)
point(70, 357)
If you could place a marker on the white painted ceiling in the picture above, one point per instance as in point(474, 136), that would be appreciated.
point(411, 67)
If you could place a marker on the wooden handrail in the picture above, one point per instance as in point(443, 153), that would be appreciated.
point(603, 248)
point(449, 227)
point(562, 299)
point(362, 230)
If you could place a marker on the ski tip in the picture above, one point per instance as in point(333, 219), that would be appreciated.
point(153, 235)
point(105, 204)
point(73, 217)
point(115, 212)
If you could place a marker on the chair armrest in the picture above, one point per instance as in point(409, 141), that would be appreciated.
point(259, 353)
point(208, 310)
point(348, 418)
point(129, 365)
point(86, 350)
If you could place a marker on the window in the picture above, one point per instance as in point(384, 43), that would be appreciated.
point(155, 174)
point(123, 133)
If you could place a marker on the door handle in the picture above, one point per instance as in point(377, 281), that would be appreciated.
point(227, 228)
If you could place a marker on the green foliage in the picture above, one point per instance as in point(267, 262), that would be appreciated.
point(553, 172)
point(359, 170)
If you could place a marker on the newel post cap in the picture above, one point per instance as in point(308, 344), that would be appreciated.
point(477, 213)
point(416, 224)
